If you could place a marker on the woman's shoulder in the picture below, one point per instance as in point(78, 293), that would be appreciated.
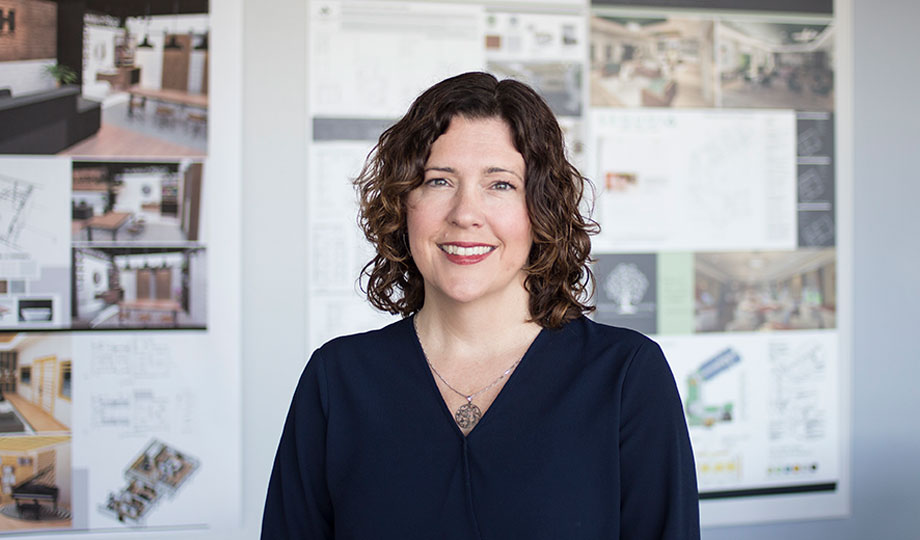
point(391, 339)
point(603, 336)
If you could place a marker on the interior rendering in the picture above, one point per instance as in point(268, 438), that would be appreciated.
point(651, 62)
point(747, 292)
point(35, 483)
point(35, 383)
point(97, 78)
point(776, 65)
point(139, 287)
point(128, 202)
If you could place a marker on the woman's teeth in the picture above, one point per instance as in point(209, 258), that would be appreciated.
point(465, 251)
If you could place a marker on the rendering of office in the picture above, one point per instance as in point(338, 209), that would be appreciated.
point(98, 78)
point(136, 202)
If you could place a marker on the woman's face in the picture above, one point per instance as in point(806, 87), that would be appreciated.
point(469, 231)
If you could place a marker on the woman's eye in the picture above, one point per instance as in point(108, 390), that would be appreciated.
point(503, 186)
point(436, 181)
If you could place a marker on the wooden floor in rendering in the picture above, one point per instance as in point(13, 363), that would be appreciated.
point(112, 141)
point(34, 415)
point(11, 524)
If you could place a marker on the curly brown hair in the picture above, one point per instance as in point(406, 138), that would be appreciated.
point(557, 272)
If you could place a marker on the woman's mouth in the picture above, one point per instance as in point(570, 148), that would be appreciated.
point(466, 253)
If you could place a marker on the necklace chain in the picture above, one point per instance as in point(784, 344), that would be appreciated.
point(468, 414)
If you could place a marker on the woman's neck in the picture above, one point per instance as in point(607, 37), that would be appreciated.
point(485, 327)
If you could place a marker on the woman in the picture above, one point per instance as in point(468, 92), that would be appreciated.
point(494, 409)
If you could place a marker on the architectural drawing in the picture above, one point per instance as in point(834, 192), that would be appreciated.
point(157, 471)
point(15, 196)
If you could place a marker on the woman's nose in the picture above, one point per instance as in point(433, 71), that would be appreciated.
point(466, 210)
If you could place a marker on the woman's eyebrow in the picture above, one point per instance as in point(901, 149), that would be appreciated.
point(441, 169)
point(491, 170)
point(488, 170)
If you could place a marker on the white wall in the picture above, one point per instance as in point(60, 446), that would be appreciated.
point(27, 76)
point(99, 49)
point(274, 173)
point(196, 65)
point(127, 280)
point(151, 61)
point(87, 301)
point(131, 193)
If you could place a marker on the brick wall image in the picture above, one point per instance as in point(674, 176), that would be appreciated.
point(28, 30)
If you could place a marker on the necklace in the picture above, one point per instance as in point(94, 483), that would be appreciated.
point(468, 414)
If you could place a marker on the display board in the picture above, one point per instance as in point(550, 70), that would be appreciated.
point(119, 397)
point(708, 130)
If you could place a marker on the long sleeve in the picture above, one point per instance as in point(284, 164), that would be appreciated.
point(658, 475)
point(298, 504)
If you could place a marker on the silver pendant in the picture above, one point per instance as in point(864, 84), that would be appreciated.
point(467, 415)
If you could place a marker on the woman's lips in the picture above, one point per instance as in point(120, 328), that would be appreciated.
point(466, 252)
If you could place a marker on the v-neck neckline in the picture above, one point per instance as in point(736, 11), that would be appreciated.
point(422, 362)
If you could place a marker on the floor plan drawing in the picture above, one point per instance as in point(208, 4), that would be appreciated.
point(157, 471)
point(15, 196)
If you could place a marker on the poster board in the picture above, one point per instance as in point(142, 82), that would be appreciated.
point(119, 292)
point(710, 132)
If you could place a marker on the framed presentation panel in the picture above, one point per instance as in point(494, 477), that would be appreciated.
point(716, 135)
point(119, 287)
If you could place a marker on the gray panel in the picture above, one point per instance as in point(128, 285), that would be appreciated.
point(80, 499)
point(349, 129)
point(627, 291)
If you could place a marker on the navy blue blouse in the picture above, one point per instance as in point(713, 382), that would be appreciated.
point(587, 439)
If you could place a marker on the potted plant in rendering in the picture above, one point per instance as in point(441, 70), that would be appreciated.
point(62, 74)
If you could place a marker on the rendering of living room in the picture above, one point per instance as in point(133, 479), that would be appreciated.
point(139, 287)
point(101, 79)
point(643, 62)
point(35, 483)
point(136, 202)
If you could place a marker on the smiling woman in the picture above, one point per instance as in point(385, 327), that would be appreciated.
point(469, 232)
point(494, 409)
point(556, 273)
